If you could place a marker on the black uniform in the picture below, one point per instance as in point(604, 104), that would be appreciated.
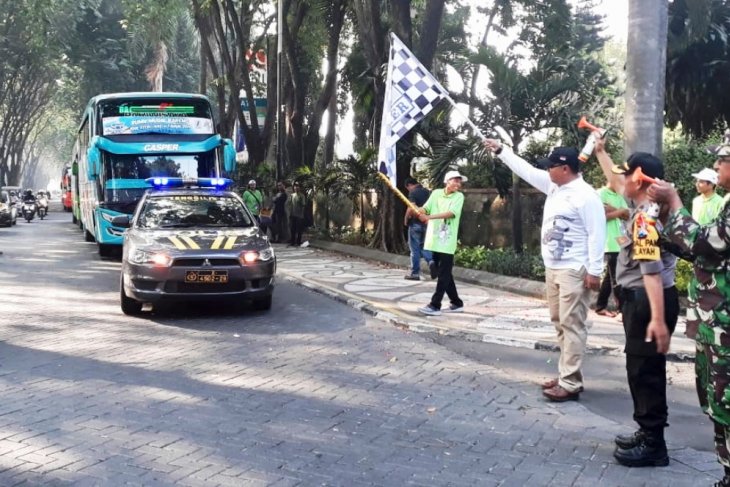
point(641, 254)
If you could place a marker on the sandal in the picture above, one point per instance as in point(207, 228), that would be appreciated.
point(605, 312)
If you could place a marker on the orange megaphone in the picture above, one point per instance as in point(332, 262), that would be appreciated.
point(638, 176)
point(584, 124)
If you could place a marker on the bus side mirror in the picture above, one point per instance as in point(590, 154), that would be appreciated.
point(75, 169)
point(93, 160)
point(229, 156)
point(121, 221)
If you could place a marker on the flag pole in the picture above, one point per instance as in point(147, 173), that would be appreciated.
point(399, 194)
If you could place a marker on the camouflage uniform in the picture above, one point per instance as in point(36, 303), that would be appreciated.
point(708, 314)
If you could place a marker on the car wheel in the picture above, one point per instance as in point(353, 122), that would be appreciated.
point(130, 306)
point(106, 250)
point(263, 304)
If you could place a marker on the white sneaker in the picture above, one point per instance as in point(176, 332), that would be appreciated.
point(305, 244)
point(430, 311)
point(454, 309)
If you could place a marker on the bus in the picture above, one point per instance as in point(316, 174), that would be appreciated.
point(125, 138)
point(66, 198)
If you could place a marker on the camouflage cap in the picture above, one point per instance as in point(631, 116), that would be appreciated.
point(721, 150)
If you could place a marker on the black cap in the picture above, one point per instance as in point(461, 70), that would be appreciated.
point(561, 156)
point(650, 165)
point(410, 181)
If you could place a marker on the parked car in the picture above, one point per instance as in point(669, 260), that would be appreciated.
point(8, 210)
point(194, 243)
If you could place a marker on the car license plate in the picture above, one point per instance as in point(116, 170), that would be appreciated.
point(206, 277)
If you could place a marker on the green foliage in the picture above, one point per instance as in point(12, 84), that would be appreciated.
point(681, 159)
point(346, 235)
point(506, 262)
point(698, 54)
point(683, 275)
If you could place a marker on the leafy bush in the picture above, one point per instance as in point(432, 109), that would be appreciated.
point(683, 275)
point(344, 234)
point(506, 262)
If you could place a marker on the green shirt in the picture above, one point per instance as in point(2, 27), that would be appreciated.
point(253, 200)
point(705, 210)
point(441, 235)
point(614, 226)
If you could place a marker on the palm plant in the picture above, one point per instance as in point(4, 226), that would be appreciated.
point(358, 174)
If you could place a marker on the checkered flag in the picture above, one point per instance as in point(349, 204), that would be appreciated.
point(411, 92)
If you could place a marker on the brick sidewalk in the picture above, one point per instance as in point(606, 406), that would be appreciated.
point(491, 315)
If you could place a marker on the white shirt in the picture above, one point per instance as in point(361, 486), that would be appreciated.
point(573, 221)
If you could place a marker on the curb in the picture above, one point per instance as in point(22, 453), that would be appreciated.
point(416, 326)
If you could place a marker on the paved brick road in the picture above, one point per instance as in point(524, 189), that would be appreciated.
point(312, 393)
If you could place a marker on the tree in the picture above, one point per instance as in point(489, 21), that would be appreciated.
point(645, 75)
point(561, 80)
point(698, 65)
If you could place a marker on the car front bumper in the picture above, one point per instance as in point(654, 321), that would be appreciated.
point(153, 284)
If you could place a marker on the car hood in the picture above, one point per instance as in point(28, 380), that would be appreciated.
point(217, 240)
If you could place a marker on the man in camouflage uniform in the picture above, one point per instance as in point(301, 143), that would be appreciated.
point(708, 314)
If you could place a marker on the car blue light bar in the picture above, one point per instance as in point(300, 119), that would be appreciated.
point(163, 182)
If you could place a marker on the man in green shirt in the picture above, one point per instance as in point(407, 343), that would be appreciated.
point(617, 211)
point(442, 214)
point(253, 199)
point(708, 204)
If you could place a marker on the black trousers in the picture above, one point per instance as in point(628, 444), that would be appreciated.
point(646, 369)
point(296, 228)
point(608, 284)
point(445, 283)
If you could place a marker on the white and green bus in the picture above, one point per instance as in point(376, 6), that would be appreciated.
point(125, 138)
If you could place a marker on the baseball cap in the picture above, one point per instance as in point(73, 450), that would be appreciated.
point(455, 174)
point(410, 181)
point(650, 165)
point(706, 174)
point(253, 181)
point(561, 156)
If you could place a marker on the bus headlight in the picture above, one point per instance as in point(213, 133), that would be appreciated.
point(106, 216)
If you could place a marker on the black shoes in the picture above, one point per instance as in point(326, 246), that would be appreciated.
point(725, 482)
point(649, 451)
point(626, 442)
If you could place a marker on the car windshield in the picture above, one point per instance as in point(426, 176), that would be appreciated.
point(183, 211)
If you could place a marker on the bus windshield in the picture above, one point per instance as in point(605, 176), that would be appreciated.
point(155, 116)
point(125, 173)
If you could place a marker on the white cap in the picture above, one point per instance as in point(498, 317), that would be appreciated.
point(706, 174)
point(455, 174)
point(253, 181)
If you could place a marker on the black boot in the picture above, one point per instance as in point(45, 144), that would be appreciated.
point(626, 442)
point(725, 482)
point(650, 452)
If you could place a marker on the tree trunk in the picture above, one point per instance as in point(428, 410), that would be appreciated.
point(645, 76)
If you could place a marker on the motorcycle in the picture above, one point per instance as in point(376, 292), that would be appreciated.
point(29, 209)
point(42, 207)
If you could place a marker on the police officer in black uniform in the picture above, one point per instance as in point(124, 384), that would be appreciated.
point(650, 307)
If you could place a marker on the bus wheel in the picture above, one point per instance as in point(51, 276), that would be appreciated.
point(88, 236)
point(106, 250)
point(130, 306)
point(73, 219)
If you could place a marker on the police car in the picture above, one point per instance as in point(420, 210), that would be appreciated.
point(193, 239)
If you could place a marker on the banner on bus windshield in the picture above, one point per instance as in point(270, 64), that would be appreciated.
point(145, 124)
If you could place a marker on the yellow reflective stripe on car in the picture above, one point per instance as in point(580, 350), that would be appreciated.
point(177, 243)
point(217, 243)
point(230, 243)
point(190, 242)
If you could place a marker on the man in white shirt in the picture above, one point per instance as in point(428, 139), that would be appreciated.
point(573, 239)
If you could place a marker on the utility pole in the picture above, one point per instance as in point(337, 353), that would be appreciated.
point(279, 116)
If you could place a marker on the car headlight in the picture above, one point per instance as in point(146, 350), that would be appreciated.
point(4, 207)
point(250, 256)
point(146, 257)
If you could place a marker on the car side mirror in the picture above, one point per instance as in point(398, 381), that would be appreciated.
point(121, 221)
